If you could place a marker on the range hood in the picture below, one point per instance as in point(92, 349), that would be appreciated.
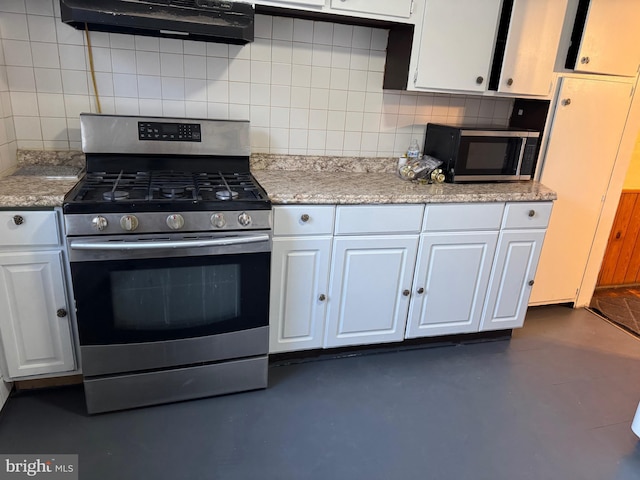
point(206, 20)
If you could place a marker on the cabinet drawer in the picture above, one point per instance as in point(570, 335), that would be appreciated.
point(303, 220)
point(28, 228)
point(527, 215)
point(463, 216)
point(365, 219)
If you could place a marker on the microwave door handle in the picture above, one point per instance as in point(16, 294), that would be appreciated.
point(164, 244)
point(523, 143)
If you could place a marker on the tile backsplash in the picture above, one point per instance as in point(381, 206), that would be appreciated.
point(308, 87)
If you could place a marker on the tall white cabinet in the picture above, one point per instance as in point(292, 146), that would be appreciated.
point(588, 121)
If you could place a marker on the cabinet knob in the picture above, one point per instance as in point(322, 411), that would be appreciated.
point(566, 102)
point(532, 213)
point(479, 80)
point(510, 82)
point(420, 290)
point(531, 282)
point(322, 297)
point(406, 293)
point(304, 217)
point(18, 219)
point(61, 313)
point(584, 60)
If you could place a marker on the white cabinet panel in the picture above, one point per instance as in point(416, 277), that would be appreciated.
point(532, 46)
point(513, 273)
point(397, 8)
point(35, 339)
point(452, 273)
point(366, 219)
point(463, 216)
point(457, 44)
point(297, 220)
point(299, 283)
point(28, 228)
point(369, 289)
point(611, 38)
point(527, 215)
point(587, 127)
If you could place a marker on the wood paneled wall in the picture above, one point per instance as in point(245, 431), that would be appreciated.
point(621, 263)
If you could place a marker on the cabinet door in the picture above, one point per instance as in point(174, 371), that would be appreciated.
point(513, 272)
point(299, 282)
point(458, 39)
point(369, 289)
point(397, 8)
point(35, 339)
point(450, 284)
point(587, 127)
point(611, 38)
point(532, 46)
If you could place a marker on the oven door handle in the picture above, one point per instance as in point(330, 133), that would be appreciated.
point(163, 244)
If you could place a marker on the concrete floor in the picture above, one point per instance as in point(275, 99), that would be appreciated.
point(554, 402)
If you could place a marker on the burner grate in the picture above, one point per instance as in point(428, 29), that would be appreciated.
point(163, 185)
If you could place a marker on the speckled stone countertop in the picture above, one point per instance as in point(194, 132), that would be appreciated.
point(342, 180)
point(289, 180)
point(40, 188)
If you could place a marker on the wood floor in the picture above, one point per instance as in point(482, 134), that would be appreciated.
point(554, 402)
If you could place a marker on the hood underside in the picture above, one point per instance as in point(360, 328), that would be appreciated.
point(206, 20)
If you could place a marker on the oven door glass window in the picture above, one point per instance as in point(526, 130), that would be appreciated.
point(488, 156)
point(148, 300)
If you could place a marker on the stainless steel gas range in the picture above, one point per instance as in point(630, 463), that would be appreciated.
point(169, 238)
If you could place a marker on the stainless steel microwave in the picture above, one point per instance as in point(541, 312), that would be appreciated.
point(474, 154)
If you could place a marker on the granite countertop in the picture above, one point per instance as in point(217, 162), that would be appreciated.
point(303, 187)
point(287, 180)
point(33, 191)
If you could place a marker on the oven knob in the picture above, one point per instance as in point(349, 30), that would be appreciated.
point(99, 223)
point(175, 221)
point(218, 220)
point(129, 223)
point(244, 219)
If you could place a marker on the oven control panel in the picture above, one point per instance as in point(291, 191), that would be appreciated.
point(169, 132)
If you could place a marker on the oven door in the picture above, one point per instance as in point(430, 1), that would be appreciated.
point(494, 156)
point(165, 288)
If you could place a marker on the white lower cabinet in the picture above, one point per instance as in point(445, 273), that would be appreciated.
point(35, 327)
point(513, 272)
point(383, 273)
point(369, 289)
point(36, 320)
point(450, 284)
point(299, 283)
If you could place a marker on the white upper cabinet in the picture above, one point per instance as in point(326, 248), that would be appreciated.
point(611, 38)
point(396, 11)
point(397, 8)
point(532, 46)
point(457, 43)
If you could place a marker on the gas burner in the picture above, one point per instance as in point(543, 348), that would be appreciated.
point(115, 195)
point(173, 192)
point(226, 194)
